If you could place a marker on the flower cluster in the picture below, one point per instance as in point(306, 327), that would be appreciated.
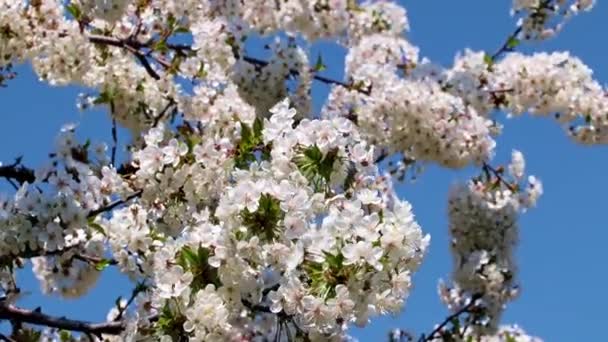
point(483, 225)
point(506, 333)
point(416, 117)
point(301, 231)
point(542, 19)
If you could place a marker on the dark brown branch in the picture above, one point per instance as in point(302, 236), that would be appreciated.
point(326, 80)
point(506, 45)
point(22, 174)
point(17, 172)
point(490, 170)
point(130, 45)
point(465, 309)
point(36, 317)
point(114, 204)
point(30, 253)
point(139, 288)
point(114, 141)
point(134, 46)
point(163, 113)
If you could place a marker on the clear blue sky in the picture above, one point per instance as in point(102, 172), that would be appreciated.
point(562, 241)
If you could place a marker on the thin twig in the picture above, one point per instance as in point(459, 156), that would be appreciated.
point(114, 204)
point(448, 319)
point(326, 80)
point(489, 169)
point(130, 45)
point(506, 45)
point(114, 140)
point(139, 288)
point(164, 112)
point(17, 172)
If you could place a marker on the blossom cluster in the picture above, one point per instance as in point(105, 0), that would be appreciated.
point(304, 227)
point(483, 226)
point(506, 333)
point(542, 19)
point(54, 214)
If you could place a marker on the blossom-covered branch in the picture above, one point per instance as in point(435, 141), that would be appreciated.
point(247, 215)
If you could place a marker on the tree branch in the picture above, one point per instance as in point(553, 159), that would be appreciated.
point(134, 46)
point(490, 170)
point(17, 172)
point(114, 204)
point(506, 46)
point(130, 45)
point(13, 313)
point(465, 309)
point(139, 288)
point(114, 140)
point(326, 80)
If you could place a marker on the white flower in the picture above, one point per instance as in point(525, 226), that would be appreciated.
point(517, 165)
point(172, 282)
point(363, 250)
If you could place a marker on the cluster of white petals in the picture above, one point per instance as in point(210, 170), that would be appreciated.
point(483, 225)
point(542, 19)
point(305, 232)
point(52, 215)
point(506, 333)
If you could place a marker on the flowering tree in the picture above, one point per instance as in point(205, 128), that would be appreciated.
point(237, 211)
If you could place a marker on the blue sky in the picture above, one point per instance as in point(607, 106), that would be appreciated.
point(562, 241)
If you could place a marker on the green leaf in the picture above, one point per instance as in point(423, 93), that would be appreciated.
point(201, 73)
point(258, 126)
point(488, 60)
point(74, 10)
point(102, 264)
point(106, 96)
point(182, 29)
point(196, 261)
point(510, 338)
point(171, 323)
point(319, 66)
point(251, 140)
point(246, 134)
point(264, 221)
point(317, 167)
point(97, 227)
point(171, 21)
point(512, 43)
point(187, 258)
point(160, 46)
point(65, 335)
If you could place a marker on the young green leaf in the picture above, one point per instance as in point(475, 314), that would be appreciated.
point(319, 66)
